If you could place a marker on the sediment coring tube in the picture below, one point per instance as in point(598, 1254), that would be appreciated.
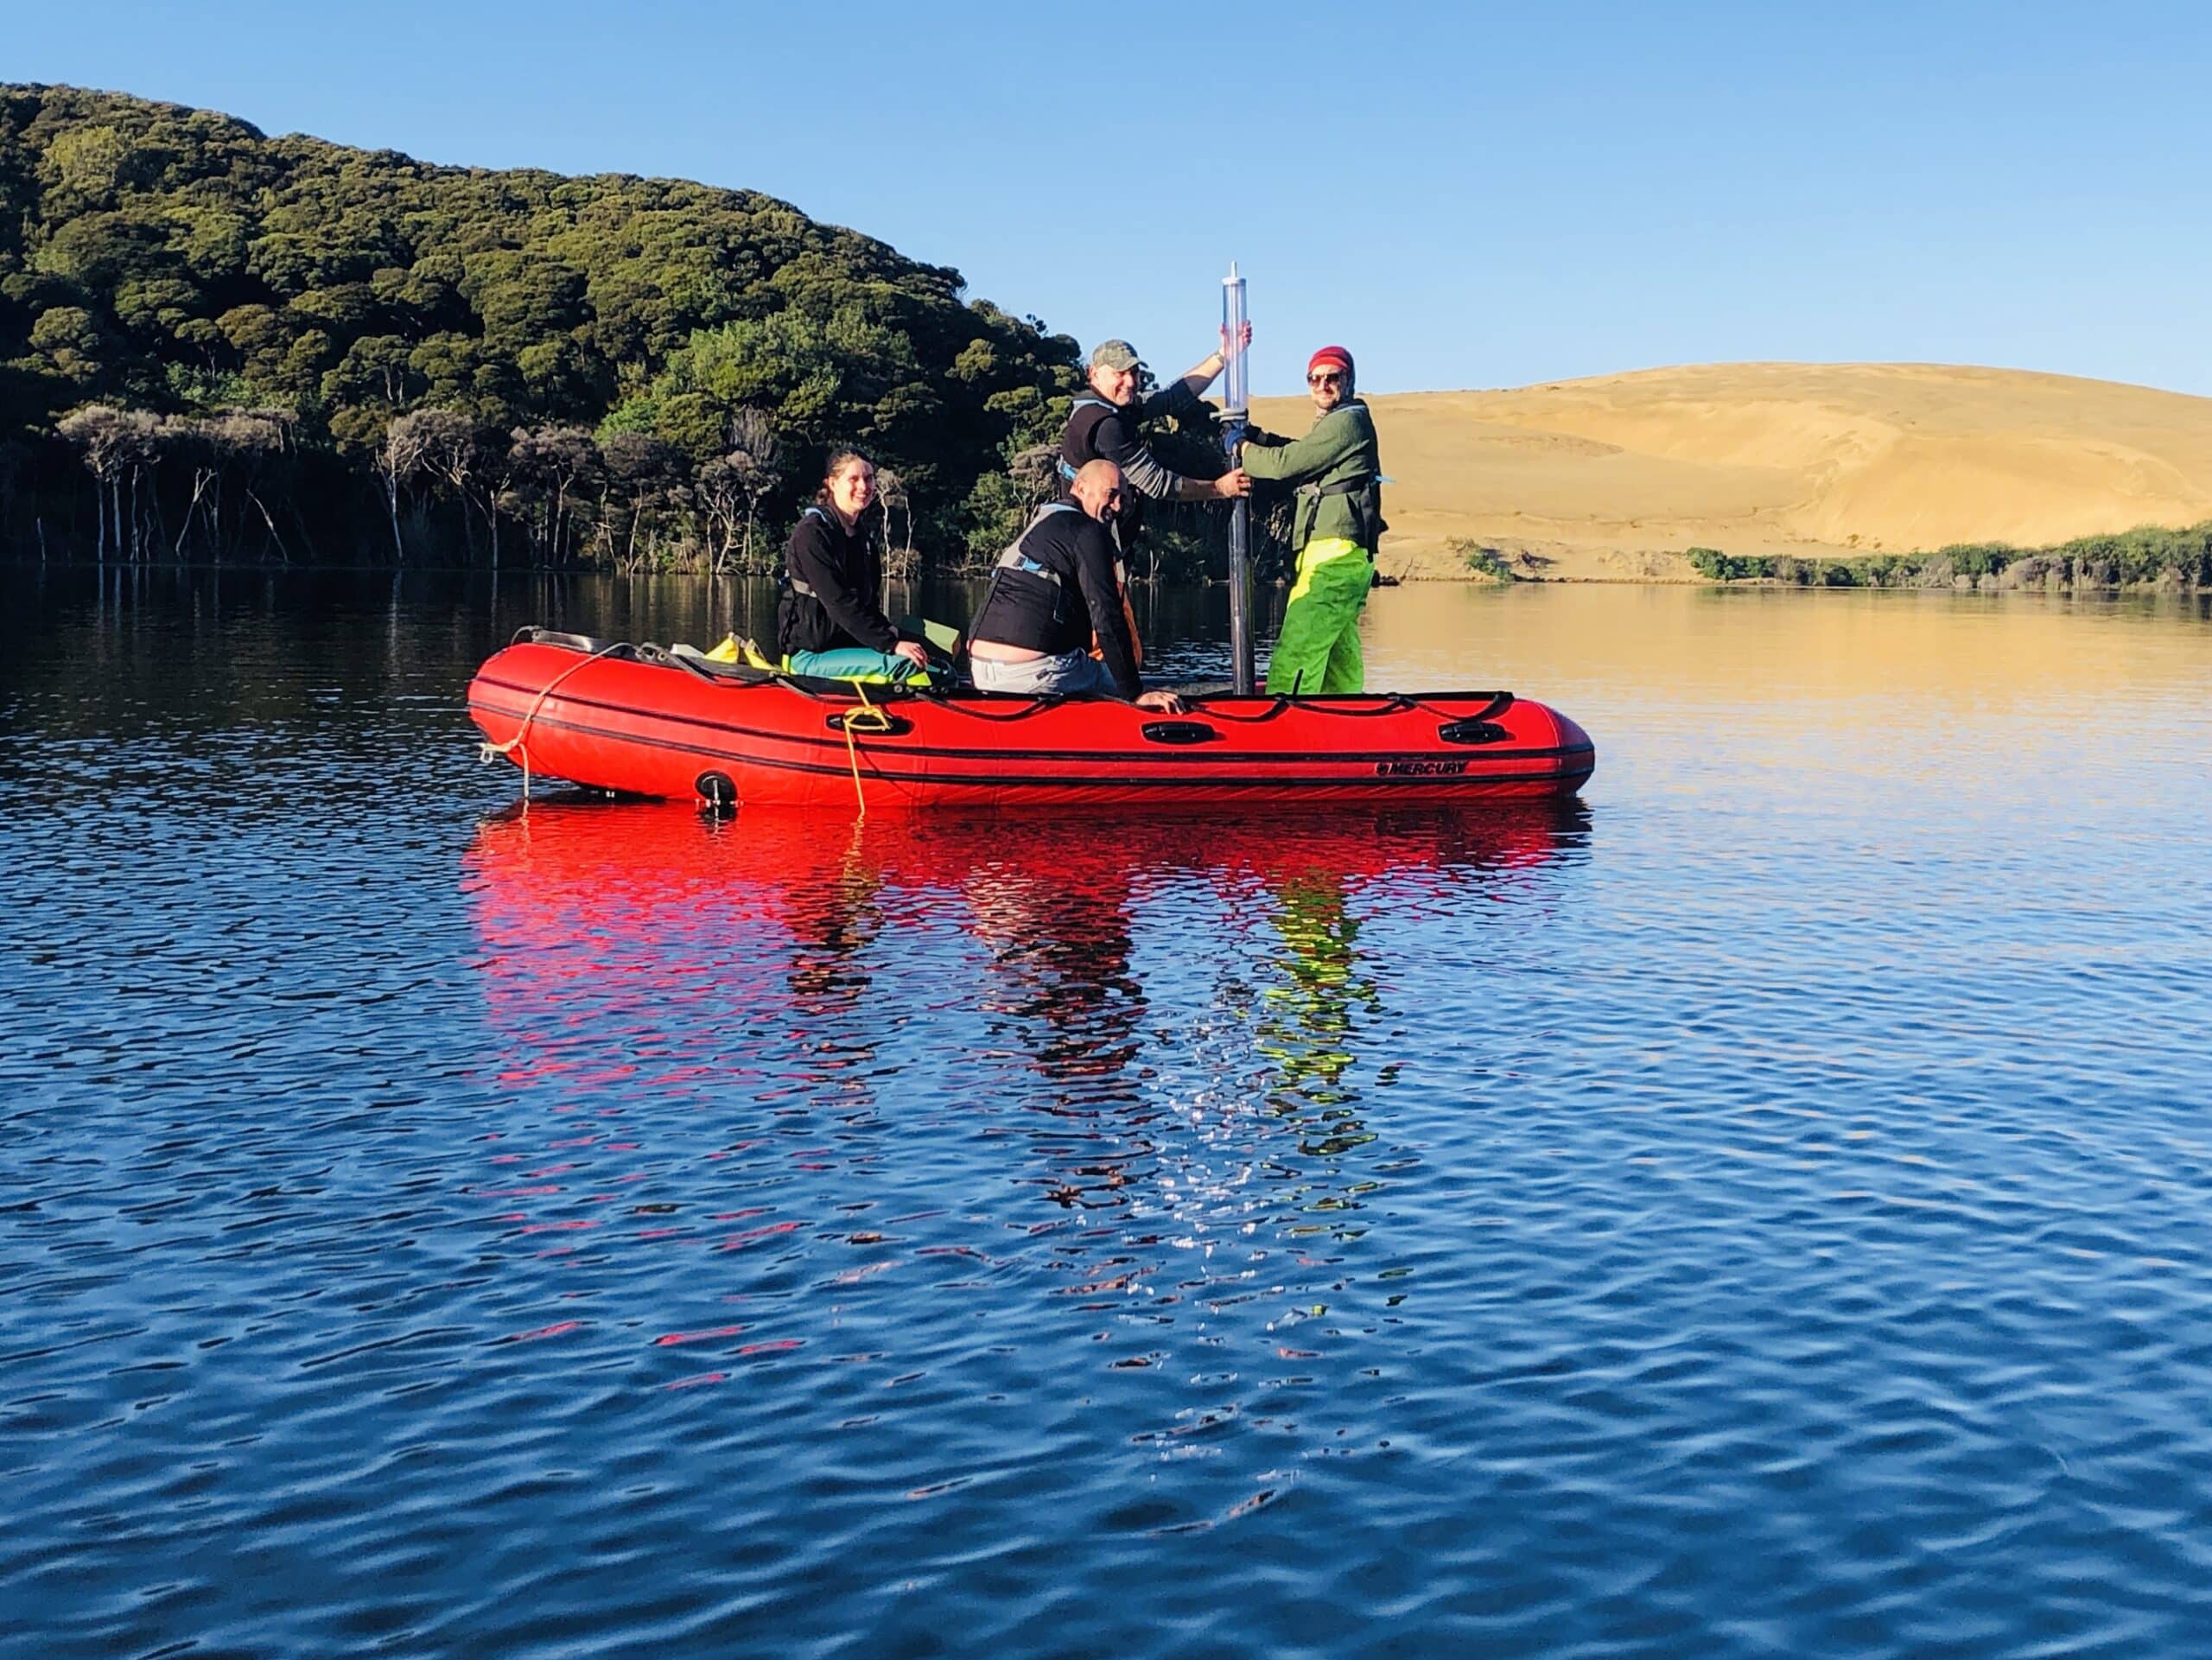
point(1236, 413)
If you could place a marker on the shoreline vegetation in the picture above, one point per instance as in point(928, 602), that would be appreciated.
point(2149, 559)
point(221, 347)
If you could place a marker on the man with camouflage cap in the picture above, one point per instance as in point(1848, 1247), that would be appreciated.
point(1103, 426)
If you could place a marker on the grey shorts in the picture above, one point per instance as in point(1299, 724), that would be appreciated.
point(1071, 675)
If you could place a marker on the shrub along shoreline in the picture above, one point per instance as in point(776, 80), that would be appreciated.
point(2149, 557)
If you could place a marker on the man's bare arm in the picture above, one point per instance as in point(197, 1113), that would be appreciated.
point(1202, 373)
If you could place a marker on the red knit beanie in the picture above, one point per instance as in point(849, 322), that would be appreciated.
point(1334, 355)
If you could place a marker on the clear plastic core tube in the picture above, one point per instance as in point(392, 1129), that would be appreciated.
point(1233, 384)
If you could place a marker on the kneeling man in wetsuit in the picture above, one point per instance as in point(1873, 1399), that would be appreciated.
point(1050, 593)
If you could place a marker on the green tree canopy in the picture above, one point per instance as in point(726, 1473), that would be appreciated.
point(178, 262)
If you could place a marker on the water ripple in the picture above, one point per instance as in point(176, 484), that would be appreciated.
point(1763, 1211)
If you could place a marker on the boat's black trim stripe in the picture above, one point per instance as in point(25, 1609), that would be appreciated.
point(1000, 780)
point(1161, 756)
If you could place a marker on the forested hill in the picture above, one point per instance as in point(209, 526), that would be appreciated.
point(235, 336)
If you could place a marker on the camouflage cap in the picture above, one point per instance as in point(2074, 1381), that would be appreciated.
point(1116, 354)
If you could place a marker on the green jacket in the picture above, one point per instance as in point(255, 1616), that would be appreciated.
point(1339, 451)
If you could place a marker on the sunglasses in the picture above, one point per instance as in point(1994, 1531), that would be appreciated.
point(1326, 378)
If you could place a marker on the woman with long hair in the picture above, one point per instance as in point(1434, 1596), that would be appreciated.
point(828, 619)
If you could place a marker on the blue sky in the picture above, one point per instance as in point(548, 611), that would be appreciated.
point(1464, 195)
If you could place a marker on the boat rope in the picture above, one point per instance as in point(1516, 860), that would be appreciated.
point(878, 721)
point(488, 753)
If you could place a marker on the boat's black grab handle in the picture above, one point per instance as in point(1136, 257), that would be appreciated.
point(584, 643)
point(1179, 732)
point(1472, 731)
point(1499, 702)
point(873, 722)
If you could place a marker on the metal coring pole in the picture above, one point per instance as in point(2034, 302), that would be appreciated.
point(1235, 415)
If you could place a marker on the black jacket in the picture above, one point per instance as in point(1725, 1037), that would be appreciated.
point(1054, 589)
point(1098, 431)
point(831, 577)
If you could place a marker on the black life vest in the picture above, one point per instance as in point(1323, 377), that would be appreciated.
point(1080, 443)
point(1013, 561)
point(814, 511)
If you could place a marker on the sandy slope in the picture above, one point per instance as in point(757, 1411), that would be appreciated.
point(1611, 478)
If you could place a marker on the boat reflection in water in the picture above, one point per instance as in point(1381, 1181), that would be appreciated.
point(847, 1046)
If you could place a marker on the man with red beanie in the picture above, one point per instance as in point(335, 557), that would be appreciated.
point(1336, 471)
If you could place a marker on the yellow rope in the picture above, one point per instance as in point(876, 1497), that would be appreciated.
point(878, 722)
point(489, 753)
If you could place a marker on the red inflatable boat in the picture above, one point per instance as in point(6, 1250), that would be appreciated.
point(643, 721)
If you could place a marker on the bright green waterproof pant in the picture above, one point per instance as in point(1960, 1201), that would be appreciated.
point(1318, 648)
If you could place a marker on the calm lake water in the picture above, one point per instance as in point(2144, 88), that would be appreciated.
point(1766, 1211)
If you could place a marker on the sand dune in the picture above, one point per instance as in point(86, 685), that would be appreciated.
point(1612, 478)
